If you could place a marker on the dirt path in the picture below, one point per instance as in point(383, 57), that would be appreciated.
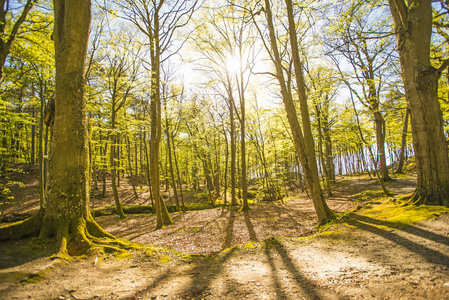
point(364, 258)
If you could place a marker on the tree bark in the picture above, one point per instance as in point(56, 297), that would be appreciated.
point(413, 27)
point(65, 212)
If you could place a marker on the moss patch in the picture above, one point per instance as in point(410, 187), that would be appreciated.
point(368, 195)
point(132, 209)
point(164, 259)
point(398, 215)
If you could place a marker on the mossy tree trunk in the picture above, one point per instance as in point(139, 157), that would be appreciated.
point(65, 213)
point(413, 27)
point(65, 209)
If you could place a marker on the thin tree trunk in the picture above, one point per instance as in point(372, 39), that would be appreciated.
point(170, 160)
point(163, 217)
point(320, 149)
point(113, 141)
point(233, 146)
point(403, 144)
point(179, 175)
point(131, 168)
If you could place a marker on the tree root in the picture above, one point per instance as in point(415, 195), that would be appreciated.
point(87, 237)
point(420, 197)
point(22, 229)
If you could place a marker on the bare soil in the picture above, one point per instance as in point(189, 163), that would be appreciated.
point(271, 252)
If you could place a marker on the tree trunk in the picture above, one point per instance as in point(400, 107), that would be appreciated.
point(225, 196)
point(403, 144)
point(303, 144)
point(41, 152)
point(170, 161)
point(413, 27)
point(328, 148)
point(379, 125)
point(148, 172)
point(163, 218)
point(233, 146)
point(133, 183)
point(66, 214)
point(242, 142)
point(178, 175)
point(320, 149)
point(113, 141)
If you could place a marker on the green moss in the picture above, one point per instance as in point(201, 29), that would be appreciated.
point(13, 277)
point(267, 218)
point(201, 195)
point(131, 209)
point(368, 195)
point(402, 176)
point(199, 205)
point(270, 242)
point(398, 215)
point(39, 276)
point(249, 245)
point(123, 255)
point(36, 247)
point(164, 259)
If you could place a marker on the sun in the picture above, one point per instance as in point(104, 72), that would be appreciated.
point(233, 64)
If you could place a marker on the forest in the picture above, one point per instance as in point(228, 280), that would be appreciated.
point(197, 149)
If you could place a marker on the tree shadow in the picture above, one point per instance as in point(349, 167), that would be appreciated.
point(163, 277)
point(249, 225)
point(308, 287)
point(202, 274)
point(282, 210)
point(229, 231)
point(432, 256)
point(17, 253)
point(437, 238)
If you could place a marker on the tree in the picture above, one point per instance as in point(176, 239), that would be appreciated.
point(158, 21)
point(122, 70)
point(413, 28)
point(7, 38)
point(361, 40)
point(65, 213)
point(302, 137)
point(226, 43)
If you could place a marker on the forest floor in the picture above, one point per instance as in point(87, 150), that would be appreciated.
point(274, 251)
